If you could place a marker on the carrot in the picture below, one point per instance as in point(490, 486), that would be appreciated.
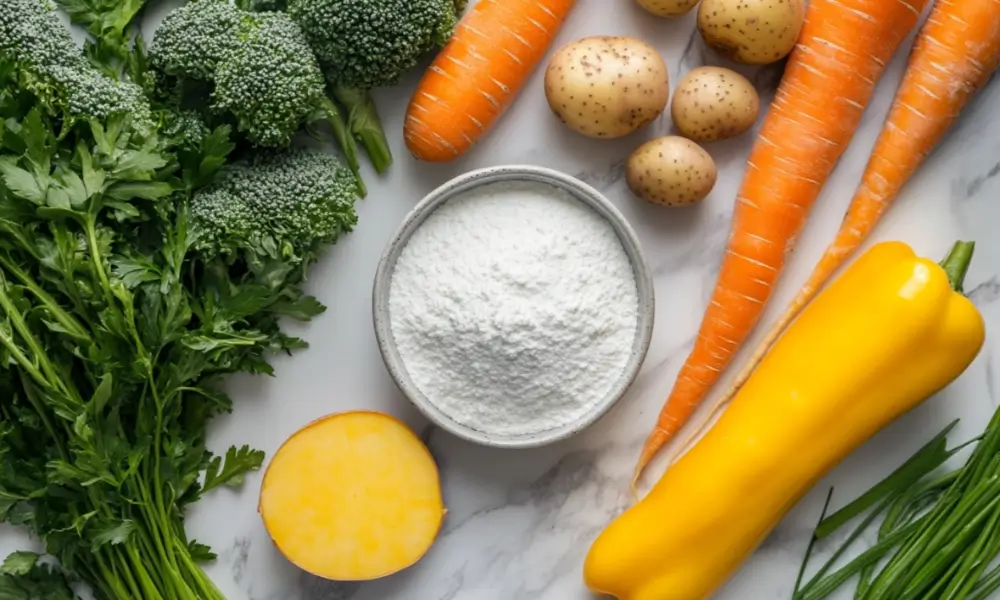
point(954, 55)
point(476, 76)
point(829, 80)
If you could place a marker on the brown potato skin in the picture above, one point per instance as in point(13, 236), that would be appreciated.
point(753, 32)
point(671, 171)
point(607, 87)
point(714, 103)
point(667, 8)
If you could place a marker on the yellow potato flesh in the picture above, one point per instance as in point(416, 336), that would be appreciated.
point(351, 497)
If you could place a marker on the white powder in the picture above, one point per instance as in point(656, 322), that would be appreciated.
point(514, 308)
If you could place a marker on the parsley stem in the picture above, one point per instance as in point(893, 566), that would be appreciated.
point(149, 550)
point(208, 589)
point(157, 452)
point(22, 360)
point(109, 576)
point(123, 572)
point(44, 372)
point(151, 591)
point(34, 367)
point(102, 276)
point(95, 579)
point(159, 537)
point(58, 313)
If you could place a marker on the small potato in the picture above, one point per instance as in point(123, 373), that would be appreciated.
point(667, 8)
point(607, 87)
point(671, 170)
point(754, 32)
point(712, 103)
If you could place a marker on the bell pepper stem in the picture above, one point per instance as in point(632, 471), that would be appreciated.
point(956, 264)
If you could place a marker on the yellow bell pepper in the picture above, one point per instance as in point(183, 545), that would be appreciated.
point(890, 332)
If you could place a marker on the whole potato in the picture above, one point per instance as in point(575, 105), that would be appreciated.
point(754, 32)
point(667, 8)
point(713, 103)
point(671, 170)
point(607, 87)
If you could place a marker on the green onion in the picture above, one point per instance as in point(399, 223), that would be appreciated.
point(931, 456)
point(938, 536)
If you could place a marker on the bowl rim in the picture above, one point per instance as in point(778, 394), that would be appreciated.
point(456, 186)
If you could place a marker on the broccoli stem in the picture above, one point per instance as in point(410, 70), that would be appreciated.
point(344, 139)
point(365, 124)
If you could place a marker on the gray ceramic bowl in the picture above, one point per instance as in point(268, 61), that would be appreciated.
point(455, 187)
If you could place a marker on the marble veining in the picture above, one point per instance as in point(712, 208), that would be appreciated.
point(520, 522)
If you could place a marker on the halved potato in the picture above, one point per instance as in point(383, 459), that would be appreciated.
point(353, 496)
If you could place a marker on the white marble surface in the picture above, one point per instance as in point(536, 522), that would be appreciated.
point(520, 522)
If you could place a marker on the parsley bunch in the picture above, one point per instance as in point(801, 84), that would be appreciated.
point(120, 310)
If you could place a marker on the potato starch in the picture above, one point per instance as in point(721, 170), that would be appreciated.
point(514, 308)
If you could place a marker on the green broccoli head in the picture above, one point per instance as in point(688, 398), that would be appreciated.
point(89, 94)
point(271, 81)
point(193, 39)
point(369, 43)
point(281, 204)
point(53, 68)
point(263, 72)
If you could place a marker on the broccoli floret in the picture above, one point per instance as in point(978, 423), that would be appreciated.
point(366, 44)
point(52, 67)
point(362, 44)
point(272, 61)
point(265, 75)
point(281, 204)
point(193, 39)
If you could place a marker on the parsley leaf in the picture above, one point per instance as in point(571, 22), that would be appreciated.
point(237, 464)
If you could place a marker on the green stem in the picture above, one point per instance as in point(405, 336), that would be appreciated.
point(366, 125)
point(95, 257)
point(208, 589)
point(812, 543)
point(94, 579)
point(110, 577)
point(830, 583)
point(163, 519)
point(120, 565)
point(853, 537)
point(149, 555)
point(956, 264)
point(19, 356)
point(57, 312)
point(933, 568)
point(987, 585)
point(344, 139)
point(932, 455)
point(975, 562)
point(17, 323)
point(152, 592)
point(160, 538)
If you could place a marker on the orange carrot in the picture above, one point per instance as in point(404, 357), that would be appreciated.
point(955, 53)
point(829, 80)
point(476, 76)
